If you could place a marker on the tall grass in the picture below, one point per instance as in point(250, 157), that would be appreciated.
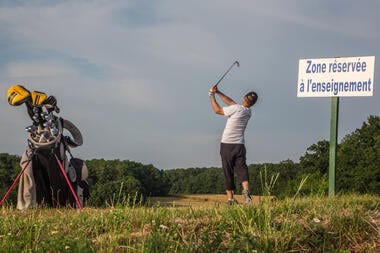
point(122, 200)
point(346, 223)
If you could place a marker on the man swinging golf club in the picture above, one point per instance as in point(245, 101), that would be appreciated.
point(232, 148)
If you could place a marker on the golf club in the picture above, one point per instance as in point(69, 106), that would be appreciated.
point(228, 70)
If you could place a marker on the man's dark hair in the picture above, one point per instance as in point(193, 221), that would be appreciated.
point(251, 97)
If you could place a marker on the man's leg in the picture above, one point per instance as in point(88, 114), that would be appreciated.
point(230, 194)
point(228, 170)
point(246, 194)
point(230, 197)
point(242, 173)
point(245, 185)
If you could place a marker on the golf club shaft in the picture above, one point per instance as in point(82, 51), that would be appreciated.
point(228, 70)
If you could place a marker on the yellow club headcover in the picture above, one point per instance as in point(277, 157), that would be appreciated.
point(38, 97)
point(17, 95)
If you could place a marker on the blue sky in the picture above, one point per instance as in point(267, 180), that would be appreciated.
point(134, 75)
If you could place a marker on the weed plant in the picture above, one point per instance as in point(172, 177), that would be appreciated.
point(343, 223)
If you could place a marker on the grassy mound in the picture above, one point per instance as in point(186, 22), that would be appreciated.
point(310, 224)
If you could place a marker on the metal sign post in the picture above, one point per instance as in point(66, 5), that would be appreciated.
point(333, 143)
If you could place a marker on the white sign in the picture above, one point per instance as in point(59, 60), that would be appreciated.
point(336, 77)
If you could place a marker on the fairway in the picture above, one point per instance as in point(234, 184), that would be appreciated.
point(197, 200)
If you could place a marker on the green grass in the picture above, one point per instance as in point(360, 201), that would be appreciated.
point(348, 223)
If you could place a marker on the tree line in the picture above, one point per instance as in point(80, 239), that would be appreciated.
point(357, 170)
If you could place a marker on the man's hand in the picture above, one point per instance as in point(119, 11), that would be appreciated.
point(213, 90)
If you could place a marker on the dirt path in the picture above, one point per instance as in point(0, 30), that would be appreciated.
point(197, 200)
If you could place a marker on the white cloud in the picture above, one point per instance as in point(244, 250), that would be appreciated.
point(41, 69)
point(142, 93)
point(340, 17)
point(140, 71)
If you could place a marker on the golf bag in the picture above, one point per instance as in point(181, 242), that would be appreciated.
point(49, 177)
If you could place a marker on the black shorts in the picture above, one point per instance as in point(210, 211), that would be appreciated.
point(233, 158)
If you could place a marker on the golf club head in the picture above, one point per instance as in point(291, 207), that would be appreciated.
point(237, 63)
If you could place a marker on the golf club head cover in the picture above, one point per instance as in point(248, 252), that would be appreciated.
point(38, 98)
point(51, 104)
point(17, 95)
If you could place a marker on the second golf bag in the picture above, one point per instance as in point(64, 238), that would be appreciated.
point(50, 178)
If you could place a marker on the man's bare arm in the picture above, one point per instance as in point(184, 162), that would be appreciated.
point(226, 99)
point(215, 106)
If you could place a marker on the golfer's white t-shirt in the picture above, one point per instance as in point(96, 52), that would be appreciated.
point(237, 121)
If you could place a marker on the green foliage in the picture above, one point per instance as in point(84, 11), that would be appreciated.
point(195, 181)
point(9, 168)
point(110, 182)
point(316, 158)
point(116, 192)
point(358, 167)
point(115, 181)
